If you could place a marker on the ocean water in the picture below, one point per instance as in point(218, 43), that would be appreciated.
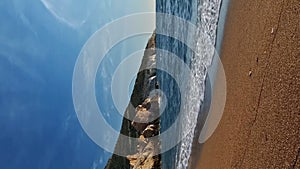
point(183, 103)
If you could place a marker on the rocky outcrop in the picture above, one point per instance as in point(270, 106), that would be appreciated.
point(148, 145)
point(145, 124)
point(146, 114)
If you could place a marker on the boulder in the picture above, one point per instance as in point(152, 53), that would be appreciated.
point(141, 119)
point(150, 131)
point(147, 104)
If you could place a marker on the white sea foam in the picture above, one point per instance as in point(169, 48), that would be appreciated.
point(207, 22)
point(206, 17)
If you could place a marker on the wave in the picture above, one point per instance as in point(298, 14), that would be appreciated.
point(206, 17)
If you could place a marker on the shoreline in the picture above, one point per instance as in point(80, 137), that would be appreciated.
point(197, 147)
point(260, 125)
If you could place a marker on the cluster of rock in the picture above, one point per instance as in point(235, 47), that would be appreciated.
point(141, 120)
point(146, 122)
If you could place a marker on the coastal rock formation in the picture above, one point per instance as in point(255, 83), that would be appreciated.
point(141, 119)
point(146, 148)
point(145, 159)
point(145, 113)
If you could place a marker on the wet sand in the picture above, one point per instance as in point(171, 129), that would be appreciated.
point(260, 127)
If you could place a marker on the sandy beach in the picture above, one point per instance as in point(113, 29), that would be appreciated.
point(260, 127)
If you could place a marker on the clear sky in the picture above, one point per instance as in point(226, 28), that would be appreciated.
point(39, 43)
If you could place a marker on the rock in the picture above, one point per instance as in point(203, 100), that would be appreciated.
point(142, 88)
point(150, 131)
point(142, 139)
point(139, 108)
point(141, 143)
point(136, 159)
point(154, 109)
point(147, 103)
point(141, 119)
point(150, 149)
point(144, 159)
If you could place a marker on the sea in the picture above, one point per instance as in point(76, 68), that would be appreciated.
point(184, 94)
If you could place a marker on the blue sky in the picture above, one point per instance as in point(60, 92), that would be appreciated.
point(39, 43)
